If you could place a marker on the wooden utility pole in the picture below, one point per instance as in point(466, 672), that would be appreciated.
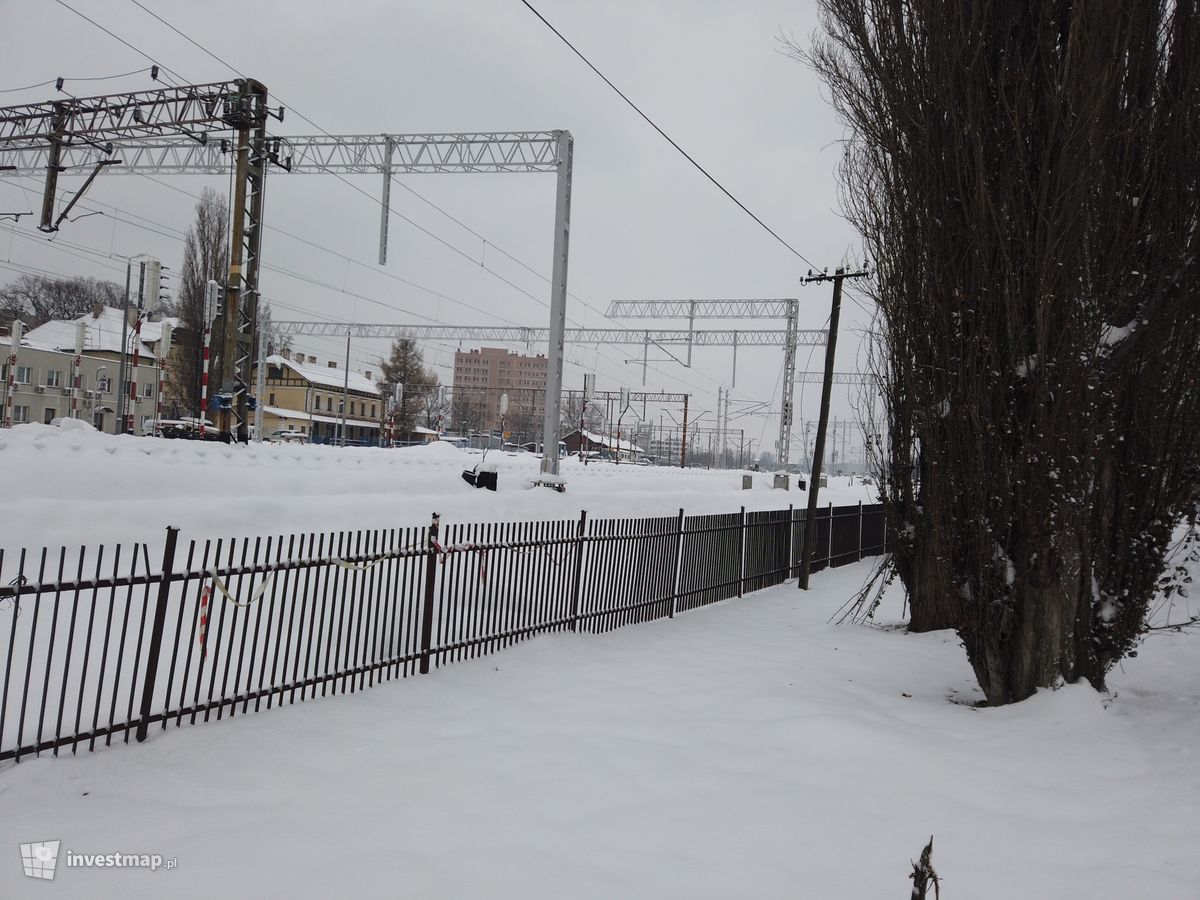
point(814, 483)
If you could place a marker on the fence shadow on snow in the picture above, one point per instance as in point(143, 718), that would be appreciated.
point(101, 644)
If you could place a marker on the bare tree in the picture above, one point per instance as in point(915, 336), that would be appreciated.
point(468, 409)
point(593, 416)
point(1025, 177)
point(523, 420)
point(37, 299)
point(205, 257)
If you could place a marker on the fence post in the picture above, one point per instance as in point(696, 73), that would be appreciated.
point(156, 631)
point(578, 570)
point(829, 552)
point(742, 556)
point(430, 578)
point(860, 531)
point(791, 538)
point(678, 564)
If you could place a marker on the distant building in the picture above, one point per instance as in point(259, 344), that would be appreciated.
point(493, 371)
point(603, 444)
point(43, 388)
point(306, 397)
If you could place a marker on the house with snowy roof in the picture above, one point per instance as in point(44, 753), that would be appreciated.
point(47, 386)
point(315, 400)
point(604, 444)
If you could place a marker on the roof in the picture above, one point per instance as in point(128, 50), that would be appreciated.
point(326, 377)
point(608, 441)
point(103, 333)
point(301, 416)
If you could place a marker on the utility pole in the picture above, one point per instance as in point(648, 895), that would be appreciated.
point(720, 421)
point(683, 436)
point(345, 389)
point(810, 531)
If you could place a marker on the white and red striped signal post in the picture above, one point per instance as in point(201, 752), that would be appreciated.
point(149, 282)
point(164, 351)
point(10, 383)
point(394, 408)
point(131, 416)
point(77, 367)
point(211, 311)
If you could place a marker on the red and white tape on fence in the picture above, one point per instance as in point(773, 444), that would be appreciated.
point(204, 620)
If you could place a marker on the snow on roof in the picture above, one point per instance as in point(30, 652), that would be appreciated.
point(301, 416)
point(326, 377)
point(608, 441)
point(103, 333)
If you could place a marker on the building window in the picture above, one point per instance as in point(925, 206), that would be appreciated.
point(271, 399)
point(48, 416)
point(316, 401)
point(24, 374)
point(328, 404)
point(53, 378)
point(102, 385)
point(148, 391)
point(20, 414)
point(372, 410)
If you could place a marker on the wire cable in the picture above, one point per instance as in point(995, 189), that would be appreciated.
point(703, 171)
point(405, 187)
point(354, 187)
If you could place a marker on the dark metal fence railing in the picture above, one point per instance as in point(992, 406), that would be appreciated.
point(96, 645)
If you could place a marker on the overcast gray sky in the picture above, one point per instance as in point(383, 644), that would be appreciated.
point(645, 224)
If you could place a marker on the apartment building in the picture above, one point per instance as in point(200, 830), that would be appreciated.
point(491, 372)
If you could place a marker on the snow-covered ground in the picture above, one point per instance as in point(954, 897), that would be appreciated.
point(747, 749)
point(69, 486)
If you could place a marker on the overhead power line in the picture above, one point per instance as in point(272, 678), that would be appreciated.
point(357, 189)
point(703, 171)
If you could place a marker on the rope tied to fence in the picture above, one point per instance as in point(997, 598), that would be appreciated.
point(444, 551)
point(206, 596)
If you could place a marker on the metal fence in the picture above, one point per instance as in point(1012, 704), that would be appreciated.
point(98, 645)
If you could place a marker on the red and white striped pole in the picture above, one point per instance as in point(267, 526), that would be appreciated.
point(164, 351)
point(204, 381)
point(10, 385)
point(210, 313)
point(77, 365)
point(131, 417)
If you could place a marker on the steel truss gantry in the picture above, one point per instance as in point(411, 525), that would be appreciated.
point(787, 308)
point(49, 138)
point(519, 334)
point(838, 378)
point(382, 154)
point(343, 154)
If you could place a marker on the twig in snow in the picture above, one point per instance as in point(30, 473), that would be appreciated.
point(923, 875)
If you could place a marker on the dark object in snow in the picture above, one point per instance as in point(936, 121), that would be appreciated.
point(478, 479)
point(923, 874)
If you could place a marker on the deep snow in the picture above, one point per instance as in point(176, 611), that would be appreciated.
point(71, 487)
point(749, 749)
point(744, 750)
